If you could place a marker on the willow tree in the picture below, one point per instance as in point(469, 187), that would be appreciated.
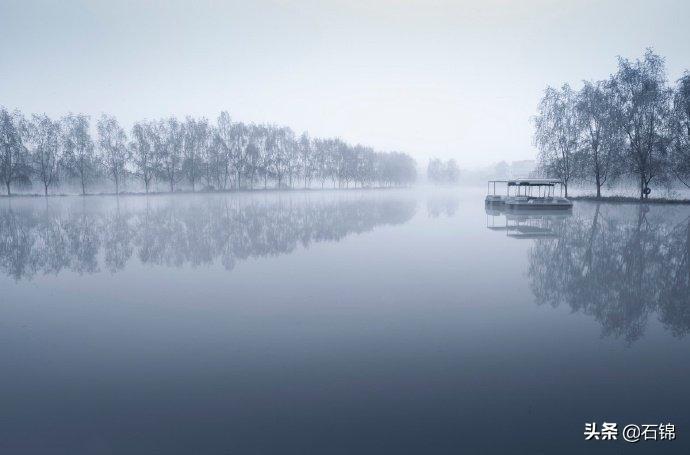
point(642, 102)
point(557, 134)
point(600, 135)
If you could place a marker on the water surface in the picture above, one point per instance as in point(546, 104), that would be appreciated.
point(338, 322)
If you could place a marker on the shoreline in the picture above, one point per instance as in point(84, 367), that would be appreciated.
point(188, 192)
point(630, 200)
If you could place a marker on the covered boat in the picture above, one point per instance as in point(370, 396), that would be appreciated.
point(533, 194)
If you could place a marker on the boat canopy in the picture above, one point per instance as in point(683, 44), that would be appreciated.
point(534, 182)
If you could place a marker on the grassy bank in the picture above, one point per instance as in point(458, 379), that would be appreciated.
point(629, 200)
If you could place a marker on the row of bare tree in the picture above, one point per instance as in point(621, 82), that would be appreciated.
point(194, 152)
point(631, 125)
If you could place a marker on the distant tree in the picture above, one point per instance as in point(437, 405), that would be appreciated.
point(171, 151)
point(224, 141)
point(45, 149)
point(143, 152)
point(256, 152)
point(557, 133)
point(434, 170)
point(446, 172)
point(452, 171)
point(112, 141)
point(306, 158)
point(196, 139)
point(642, 107)
point(80, 159)
point(321, 159)
point(13, 157)
point(292, 156)
point(281, 145)
point(234, 139)
point(365, 165)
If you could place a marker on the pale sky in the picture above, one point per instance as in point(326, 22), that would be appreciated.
point(453, 79)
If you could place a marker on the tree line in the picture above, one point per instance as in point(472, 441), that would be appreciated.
point(440, 172)
point(632, 125)
point(194, 152)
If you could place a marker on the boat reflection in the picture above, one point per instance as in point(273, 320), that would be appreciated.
point(526, 224)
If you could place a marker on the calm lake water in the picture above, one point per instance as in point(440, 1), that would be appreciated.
point(339, 322)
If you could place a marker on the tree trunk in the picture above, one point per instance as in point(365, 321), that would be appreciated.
point(641, 187)
point(7, 184)
point(45, 189)
point(598, 178)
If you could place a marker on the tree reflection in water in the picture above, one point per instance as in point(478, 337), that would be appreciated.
point(177, 232)
point(618, 264)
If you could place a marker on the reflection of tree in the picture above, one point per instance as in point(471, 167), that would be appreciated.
point(618, 271)
point(446, 205)
point(675, 290)
point(173, 232)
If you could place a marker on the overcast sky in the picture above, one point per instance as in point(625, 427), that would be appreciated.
point(432, 78)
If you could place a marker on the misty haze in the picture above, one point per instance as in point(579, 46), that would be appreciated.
point(344, 227)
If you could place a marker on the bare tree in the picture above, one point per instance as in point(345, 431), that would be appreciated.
point(306, 158)
point(280, 142)
point(680, 131)
point(13, 157)
point(557, 133)
point(196, 139)
point(239, 141)
point(171, 150)
point(112, 141)
point(256, 151)
point(600, 134)
point(45, 149)
point(224, 141)
point(143, 153)
point(79, 149)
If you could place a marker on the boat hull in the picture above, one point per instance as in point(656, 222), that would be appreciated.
point(538, 204)
point(495, 200)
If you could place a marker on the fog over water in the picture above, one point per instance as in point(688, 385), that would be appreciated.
point(405, 321)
